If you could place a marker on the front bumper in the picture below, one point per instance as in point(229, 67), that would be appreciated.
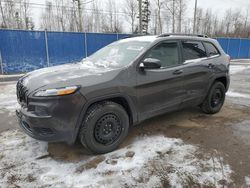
point(52, 119)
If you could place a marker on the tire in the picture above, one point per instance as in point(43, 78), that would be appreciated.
point(215, 99)
point(105, 126)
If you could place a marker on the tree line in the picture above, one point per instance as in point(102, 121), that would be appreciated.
point(111, 16)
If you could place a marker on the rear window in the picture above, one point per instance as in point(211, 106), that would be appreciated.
point(211, 49)
point(193, 50)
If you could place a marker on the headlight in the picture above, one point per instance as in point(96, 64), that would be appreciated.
point(56, 92)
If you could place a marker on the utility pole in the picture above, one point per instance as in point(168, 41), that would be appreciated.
point(173, 19)
point(140, 16)
point(195, 12)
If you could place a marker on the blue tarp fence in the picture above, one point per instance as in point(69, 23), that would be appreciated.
point(24, 51)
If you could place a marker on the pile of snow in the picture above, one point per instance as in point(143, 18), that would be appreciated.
point(247, 181)
point(155, 161)
point(8, 99)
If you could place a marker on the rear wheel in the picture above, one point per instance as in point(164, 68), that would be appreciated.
point(104, 127)
point(215, 99)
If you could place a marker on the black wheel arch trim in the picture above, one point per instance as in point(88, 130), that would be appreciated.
point(220, 76)
point(131, 106)
point(213, 79)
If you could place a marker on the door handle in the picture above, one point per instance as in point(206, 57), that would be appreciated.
point(210, 65)
point(178, 72)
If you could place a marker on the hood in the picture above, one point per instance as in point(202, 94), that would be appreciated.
point(82, 73)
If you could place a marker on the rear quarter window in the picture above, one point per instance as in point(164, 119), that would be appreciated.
point(211, 49)
point(193, 50)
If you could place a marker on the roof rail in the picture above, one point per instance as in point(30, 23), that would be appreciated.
point(182, 34)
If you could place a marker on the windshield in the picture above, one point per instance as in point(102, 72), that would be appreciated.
point(118, 54)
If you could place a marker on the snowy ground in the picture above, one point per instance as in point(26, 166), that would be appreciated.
point(148, 161)
point(8, 101)
point(247, 181)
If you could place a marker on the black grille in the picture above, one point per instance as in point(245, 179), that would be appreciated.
point(21, 92)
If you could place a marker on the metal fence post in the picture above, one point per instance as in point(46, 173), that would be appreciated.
point(117, 36)
point(86, 44)
point(47, 47)
point(1, 62)
point(239, 49)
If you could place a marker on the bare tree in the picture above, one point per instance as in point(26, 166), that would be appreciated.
point(131, 9)
point(26, 8)
point(112, 24)
point(199, 20)
point(4, 23)
point(237, 23)
point(159, 6)
point(170, 6)
point(61, 13)
point(228, 20)
point(10, 14)
point(48, 17)
point(181, 8)
point(246, 32)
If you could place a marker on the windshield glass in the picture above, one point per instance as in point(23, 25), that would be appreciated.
point(118, 54)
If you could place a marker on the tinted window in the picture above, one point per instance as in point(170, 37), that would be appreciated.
point(211, 49)
point(193, 50)
point(167, 53)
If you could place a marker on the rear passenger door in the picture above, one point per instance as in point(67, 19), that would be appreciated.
point(196, 71)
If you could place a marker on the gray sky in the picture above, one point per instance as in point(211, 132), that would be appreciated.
point(217, 6)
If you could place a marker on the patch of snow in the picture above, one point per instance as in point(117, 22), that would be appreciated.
point(237, 68)
point(237, 95)
point(65, 72)
point(8, 99)
point(157, 161)
point(240, 60)
point(11, 75)
point(247, 179)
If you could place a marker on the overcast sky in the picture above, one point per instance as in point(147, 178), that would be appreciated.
point(217, 6)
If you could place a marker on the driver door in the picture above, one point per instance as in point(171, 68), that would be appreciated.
point(161, 90)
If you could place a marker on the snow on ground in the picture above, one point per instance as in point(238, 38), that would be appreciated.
point(8, 100)
point(247, 179)
point(237, 95)
point(237, 68)
point(155, 161)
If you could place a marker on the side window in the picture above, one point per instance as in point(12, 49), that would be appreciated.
point(193, 50)
point(167, 53)
point(211, 49)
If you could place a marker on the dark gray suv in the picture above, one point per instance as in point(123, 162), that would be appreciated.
point(124, 83)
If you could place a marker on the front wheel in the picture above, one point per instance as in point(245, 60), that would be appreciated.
point(104, 127)
point(215, 99)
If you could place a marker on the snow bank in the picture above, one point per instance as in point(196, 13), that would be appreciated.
point(155, 161)
point(8, 100)
point(247, 179)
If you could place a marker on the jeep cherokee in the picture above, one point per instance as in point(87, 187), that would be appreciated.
point(122, 84)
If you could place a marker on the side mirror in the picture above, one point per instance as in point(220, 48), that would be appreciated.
point(150, 63)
